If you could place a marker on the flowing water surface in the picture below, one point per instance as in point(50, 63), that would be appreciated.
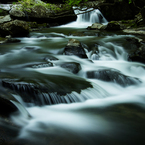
point(74, 108)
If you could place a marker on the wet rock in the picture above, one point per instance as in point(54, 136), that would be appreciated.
point(97, 26)
point(8, 39)
point(31, 48)
point(72, 67)
point(53, 89)
point(135, 31)
point(136, 50)
point(113, 76)
point(2, 40)
point(6, 105)
point(50, 58)
point(113, 25)
point(14, 28)
point(41, 65)
point(4, 19)
point(133, 43)
point(91, 33)
point(138, 55)
point(74, 47)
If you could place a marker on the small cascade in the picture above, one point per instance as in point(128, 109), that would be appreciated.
point(87, 17)
point(91, 15)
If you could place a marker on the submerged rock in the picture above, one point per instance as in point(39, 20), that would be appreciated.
point(74, 47)
point(48, 88)
point(50, 58)
point(41, 65)
point(14, 28)
point(73, 67)
point(113, 76)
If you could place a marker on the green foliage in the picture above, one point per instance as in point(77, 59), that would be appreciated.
point(129, 1)
point(75, 2)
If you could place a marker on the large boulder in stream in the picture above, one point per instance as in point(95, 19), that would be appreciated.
point(113, 76)
point(75, 47)
point(111, 26)
point(42, 89)
point(41, 13)
point(136, 49)
point(14, 28)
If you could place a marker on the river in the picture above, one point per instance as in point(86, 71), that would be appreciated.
point(74, 108)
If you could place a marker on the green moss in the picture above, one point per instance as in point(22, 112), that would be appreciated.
point(2, 39)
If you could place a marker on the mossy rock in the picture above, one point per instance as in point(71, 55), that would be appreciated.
point(14, 28)
point(3, 12)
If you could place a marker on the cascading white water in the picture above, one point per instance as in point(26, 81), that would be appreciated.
point(87, 18)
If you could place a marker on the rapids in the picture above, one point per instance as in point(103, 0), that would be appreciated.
point(79, 110)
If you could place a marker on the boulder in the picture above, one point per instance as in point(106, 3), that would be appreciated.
point(14, 28)
point(97, 26)
point(138, 55)
point(113, 76)
point(72, 67)
point(42, 14)
point(16, 11)
point(75, 47)
point(113, 25)
point(4, 19)
point(135, 48)
point(47, 88)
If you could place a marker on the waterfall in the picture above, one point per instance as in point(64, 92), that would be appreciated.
point(86, 18)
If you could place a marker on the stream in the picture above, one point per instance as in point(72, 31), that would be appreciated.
point(101, 104)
